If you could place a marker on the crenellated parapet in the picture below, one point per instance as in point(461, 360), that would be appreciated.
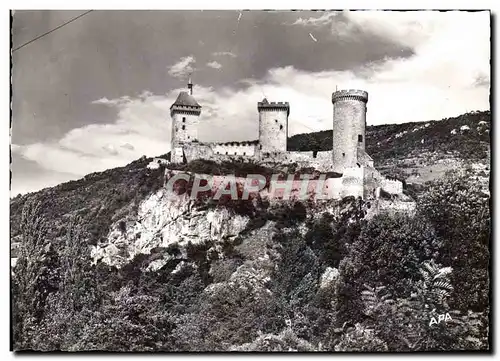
point(265, 105)
point(350, 94)
point(185, 109)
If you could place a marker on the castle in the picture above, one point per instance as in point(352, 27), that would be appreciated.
point(348, 158)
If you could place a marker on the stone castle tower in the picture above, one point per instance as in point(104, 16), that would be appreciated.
point(273, 127)
point(349, 124)
point(185, 113)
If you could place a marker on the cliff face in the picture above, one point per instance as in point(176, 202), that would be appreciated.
point(164, 220)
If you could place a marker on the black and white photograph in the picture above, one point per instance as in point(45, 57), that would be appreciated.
point(270, 181)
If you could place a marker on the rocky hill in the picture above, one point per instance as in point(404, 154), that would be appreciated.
point(111, 262)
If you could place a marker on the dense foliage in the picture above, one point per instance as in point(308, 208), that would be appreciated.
point(390, 276)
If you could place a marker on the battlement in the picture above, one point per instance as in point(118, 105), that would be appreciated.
point(350, 94)
point(239, 143)
point(185, 109)
point(265, 105)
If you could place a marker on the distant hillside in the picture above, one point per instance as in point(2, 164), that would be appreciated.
point(403, 140)
point(415, 150)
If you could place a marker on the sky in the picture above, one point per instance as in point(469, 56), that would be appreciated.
point(96, 93)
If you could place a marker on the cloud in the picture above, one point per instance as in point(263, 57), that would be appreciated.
point(142, 128)
point(214, 65)
point(322, 20)
point(183, 67)
point(128, 146)
point(449, 74)
point(113, 102)
point(224, 53)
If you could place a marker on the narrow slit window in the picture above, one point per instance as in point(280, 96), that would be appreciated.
point(343, 154)
point(281, 127)
point(360, 138)
point(183, 127)
point(184, 119)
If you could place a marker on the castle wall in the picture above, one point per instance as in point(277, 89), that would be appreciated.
point(273, 128)
point(234, 149)
point(372, 180)
point(394, 207)
point(323, 161)
point(392, 186)
point(176, 154)
point(195, 151)
point(349, 123)
point(331, 188)
point(364, 159)
point(299, 156)
point(353, 182)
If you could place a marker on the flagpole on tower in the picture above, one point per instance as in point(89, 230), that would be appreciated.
point(190, 85)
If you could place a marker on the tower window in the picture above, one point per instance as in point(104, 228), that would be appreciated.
point(184, 119)
point(360, 138)
point(234, 153)
point(276, 120)
point(244, 153)
point(343, 154)
point(226, 153)
point(183, 127)
point(281, 127)
point(260, 146)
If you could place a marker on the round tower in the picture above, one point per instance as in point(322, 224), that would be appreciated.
point(185, 113)
point(273, 127)
point(349, 125)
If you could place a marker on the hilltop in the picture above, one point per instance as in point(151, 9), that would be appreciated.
point(110, 262)
point(414, 152)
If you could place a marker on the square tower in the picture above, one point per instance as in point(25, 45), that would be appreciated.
point(273, 127)
point(185, 113)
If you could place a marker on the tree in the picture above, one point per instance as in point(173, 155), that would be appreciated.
point(460, 212)
point(388, 252)
point(409, 324)
point(35, 275)
point(69, 309)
